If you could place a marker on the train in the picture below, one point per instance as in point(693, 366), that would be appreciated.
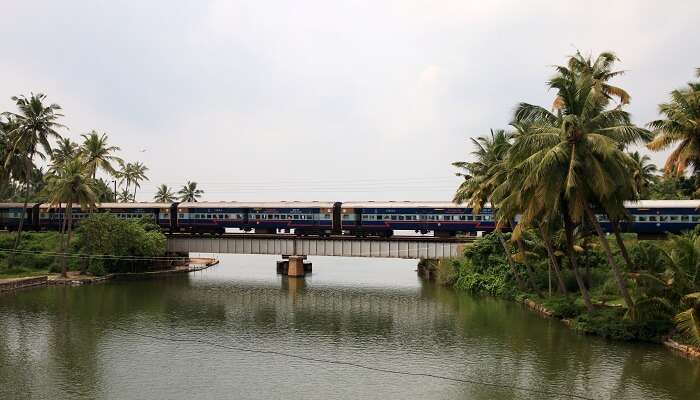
point(369, 218)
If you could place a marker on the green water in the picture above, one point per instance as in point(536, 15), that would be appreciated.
point(87, 342)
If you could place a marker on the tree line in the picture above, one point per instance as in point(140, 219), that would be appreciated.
point(558, 167)
point(30, 138)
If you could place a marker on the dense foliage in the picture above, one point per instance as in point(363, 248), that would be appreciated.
point(555, 172)
point(119, 243)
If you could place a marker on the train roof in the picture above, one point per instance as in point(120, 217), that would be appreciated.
point(115, 205)
point(663, 204)
point(405, 204)
point(272, 204)
point(16, 205)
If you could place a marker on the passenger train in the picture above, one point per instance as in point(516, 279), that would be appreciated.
point(336, 218)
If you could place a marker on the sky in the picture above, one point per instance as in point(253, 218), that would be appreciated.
point(323, 100)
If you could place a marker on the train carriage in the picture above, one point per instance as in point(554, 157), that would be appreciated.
point(442, 218)
point(305, 218)
point(654, 217)
point(51, 217)
point(11, 214)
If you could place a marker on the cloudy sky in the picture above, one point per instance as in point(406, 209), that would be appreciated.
point(323, 100)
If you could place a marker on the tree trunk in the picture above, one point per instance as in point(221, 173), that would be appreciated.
point(530, 272)
point(621, 244)
point(27, 178)
point(569, 230)
point(553, 259)
point(616, 270)
point(66, 246)
point(511, 263)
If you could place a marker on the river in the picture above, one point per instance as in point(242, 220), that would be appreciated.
point(229, 332)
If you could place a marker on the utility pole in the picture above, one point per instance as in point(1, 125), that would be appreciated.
point(115, 190)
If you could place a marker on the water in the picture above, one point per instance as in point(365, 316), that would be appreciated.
point(86, 342)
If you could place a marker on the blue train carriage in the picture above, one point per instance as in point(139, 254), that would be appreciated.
point(656, 217)
point(51, 217)
point(209, 217)
point(11, 214)
point(442, 218)
point(303, 218)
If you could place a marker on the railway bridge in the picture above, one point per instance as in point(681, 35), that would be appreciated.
point(294, 250)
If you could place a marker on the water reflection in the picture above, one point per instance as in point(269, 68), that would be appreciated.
point(60, 342)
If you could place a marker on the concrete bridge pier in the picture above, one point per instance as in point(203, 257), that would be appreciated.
point(294, 266)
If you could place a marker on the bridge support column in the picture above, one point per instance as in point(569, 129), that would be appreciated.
point(294, 266)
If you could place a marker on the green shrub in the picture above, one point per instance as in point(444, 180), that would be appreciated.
point(105, 234)
point(563, 307)
point(446, 271)
point(610, 323)
point(97, 268)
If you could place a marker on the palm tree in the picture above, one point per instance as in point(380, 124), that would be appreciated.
point(644, 173)
point(35, 125)
point(681, 125)
point(574, 159)
point(138, 174)
point(189, 193)
point(164, 195)
point(71, 184)
point(125, 196)
point(65, 150)
point(131, 173)
point(481, 178)
point(98, 154)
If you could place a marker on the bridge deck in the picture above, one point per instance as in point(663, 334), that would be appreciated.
point(342, 246)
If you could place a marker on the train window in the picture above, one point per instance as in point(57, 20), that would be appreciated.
point(674, 218)
point(695, 218)
point(663, 218)
point(652, 218)
point(470, 218)
point(401, 217)
point(487, 218)
point(257, 216)
point(393, 217)
point(296, 216)
point(327, 216)
point(462, 217)
point(477, 218)
point(642, 218)
point(685, 218)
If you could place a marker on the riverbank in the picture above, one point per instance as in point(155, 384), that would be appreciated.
point(485, 270)
point(76, 279)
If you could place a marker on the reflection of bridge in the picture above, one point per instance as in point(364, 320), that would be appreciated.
point(297, 248)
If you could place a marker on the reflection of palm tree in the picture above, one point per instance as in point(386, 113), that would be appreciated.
point(71, 184)
point(35, 125)
point(190, 193)
point(98, 154)
point(164, 195)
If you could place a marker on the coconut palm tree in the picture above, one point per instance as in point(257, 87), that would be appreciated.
point(71, 184)
point(164, 195)
point(681, 125)
point(481, 178)
point(125, 196)
point(98, 154)
point(644, 173)
point(35, 125)
point(65, 150)
point(573, 159)
point(189, 193)
point(131, 173)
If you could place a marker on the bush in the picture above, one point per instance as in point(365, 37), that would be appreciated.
point(446, 271)
point(563, 307)
point(97, 268)
point(105, 234)
point(610, 323)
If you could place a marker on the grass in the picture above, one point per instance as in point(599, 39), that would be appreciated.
point(22, 273)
